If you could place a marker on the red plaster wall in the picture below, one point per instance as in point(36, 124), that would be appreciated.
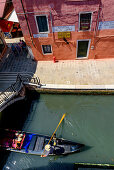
point(66, 12)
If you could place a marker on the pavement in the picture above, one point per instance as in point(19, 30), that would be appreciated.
point(77, 72)
point(67, 74)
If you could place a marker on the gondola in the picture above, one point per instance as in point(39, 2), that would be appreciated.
point(25, 142)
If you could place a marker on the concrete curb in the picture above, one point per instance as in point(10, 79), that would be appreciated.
point(78, 87)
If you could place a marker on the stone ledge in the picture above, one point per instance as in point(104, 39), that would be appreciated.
point(78, 87)
point(79, 90)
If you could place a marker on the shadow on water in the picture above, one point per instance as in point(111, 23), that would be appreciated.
point(55, 166)
point(3, 158)
point(14, 117)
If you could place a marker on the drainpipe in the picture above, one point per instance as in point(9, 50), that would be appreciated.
point(27, 23)
point(97, 24)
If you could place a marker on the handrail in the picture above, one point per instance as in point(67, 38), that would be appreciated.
point(10, 92)
point(26, 79)
point(11, 76)
point(14, 89)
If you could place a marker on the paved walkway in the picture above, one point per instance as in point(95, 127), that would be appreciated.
point(18, 63)
point(77, 72)
point(71, 74)
point(11, 64)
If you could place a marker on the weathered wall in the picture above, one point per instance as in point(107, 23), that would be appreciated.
point(105, 38)
point(65, 13)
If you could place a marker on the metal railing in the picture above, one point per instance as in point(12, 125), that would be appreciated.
point(6, 77)
point(35, 81)
point(14, 89)
point(10, 92)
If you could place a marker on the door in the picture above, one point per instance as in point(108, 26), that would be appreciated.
point(83, 48)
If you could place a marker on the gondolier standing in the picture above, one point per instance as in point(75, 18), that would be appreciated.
point(47, 150)
point(54, 135)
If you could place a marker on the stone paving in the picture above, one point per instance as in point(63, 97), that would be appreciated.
point(71, 73)
point(77, 72)
point(18, 63)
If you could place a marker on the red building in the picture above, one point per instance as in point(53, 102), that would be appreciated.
point(8, 20)
point(67, 29)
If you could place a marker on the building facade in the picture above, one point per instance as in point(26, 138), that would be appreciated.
point(67, 29)
point(3, 46)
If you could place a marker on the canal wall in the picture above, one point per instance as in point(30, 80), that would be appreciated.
point(78, 92)
point(72, 89)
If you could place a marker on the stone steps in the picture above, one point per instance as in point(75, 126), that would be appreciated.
point(11, 76)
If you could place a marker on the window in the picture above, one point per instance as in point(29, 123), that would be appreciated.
point(2, 46)
point(85, 21)
point(47, 49)
point(42, 23)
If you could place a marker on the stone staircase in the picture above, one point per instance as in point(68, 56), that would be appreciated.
point(6, 77)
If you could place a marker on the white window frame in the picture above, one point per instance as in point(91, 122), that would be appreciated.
point(90, 22)
point(37, 24)
point(87, 49)
point(47, 53)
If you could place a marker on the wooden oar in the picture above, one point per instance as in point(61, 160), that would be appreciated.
point(55, 131)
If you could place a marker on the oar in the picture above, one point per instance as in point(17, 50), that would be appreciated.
point(55, 130)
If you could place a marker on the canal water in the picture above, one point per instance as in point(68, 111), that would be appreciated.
point(89, 120)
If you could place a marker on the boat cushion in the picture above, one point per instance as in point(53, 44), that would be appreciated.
point(32, 143)
point(39, 144)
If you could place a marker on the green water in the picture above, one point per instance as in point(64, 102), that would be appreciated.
point(89, 120)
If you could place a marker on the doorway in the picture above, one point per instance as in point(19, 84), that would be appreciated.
point(83, 48)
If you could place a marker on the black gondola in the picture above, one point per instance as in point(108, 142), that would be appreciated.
point(25, 142)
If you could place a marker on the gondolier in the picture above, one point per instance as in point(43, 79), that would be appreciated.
point(48, 150)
